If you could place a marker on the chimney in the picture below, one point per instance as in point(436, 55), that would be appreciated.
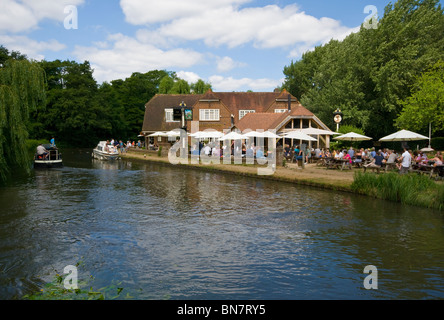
point(289, 102)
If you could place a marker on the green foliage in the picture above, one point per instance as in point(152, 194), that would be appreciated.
point(200, 87)
point(166, 84)
point(180, 87)
point(171, 84)
point(55, 290)
point(411, 189)
point(426, 104)
point(370, 72)
point(21, 91)
point(79, 112)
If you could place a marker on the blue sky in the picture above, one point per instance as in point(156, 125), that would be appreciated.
point(236, 45)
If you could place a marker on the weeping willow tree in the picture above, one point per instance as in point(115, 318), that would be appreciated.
point(22, 88)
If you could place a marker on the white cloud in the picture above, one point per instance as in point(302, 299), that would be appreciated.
point(226, 64)
point(224, 23)
point(188, 76)
point(33, 49)
point(228, 84)
point(122, 55)
point(19, 16)
point(141, 12)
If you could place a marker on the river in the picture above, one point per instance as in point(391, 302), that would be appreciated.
point(164, 232)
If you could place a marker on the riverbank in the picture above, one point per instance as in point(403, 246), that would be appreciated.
point(311, 175)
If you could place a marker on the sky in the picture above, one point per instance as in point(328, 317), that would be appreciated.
point(236, 45)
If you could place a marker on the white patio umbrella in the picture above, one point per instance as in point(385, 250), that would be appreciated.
point(207, 134)
point(404, 135)
point(316, 131)
point(232, 136)
point(427, 150)
point(257, 134)
point(298, 135)
point(173, 133)
point(352, 136)
point(157, 134)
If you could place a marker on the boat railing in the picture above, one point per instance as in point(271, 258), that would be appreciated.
point(52, 155)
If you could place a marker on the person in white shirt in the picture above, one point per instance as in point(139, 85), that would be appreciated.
point(406, 161)
point(41, 151)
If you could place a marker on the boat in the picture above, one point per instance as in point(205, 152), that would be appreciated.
point(105, 151)
point(52, 160)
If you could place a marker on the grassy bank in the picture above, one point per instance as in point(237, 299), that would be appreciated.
point(409, 189)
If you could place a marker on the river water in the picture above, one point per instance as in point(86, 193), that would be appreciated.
point(164, 232)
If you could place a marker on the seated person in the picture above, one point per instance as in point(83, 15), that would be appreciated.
point(296, 152)
point(250, 153)
point(42, 152)
point(287, 151)
point(347, 157)
point(376, 162)
point(259, 153)
point(391, 159)
point(437, 160)
point(358, 156)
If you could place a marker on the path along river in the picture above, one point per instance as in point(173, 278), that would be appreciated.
point(164, 232)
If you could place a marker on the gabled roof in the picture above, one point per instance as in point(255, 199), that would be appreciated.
point(301, 111)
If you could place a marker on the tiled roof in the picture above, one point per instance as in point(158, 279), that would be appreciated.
point(260, 121)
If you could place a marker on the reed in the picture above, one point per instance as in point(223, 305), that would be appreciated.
point(409, 189)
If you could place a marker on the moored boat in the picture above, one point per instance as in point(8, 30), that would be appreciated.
point(52, 159)
point(105, 151)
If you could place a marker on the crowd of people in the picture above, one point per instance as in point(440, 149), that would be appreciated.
point(372, 158)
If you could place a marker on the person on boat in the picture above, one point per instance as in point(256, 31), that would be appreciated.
point(52, 141)
point(42, 152)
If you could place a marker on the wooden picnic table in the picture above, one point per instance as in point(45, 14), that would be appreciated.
point(333, 163)
point(427, 169)
point(389, 166)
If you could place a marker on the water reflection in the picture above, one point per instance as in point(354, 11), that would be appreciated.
point(168, 232)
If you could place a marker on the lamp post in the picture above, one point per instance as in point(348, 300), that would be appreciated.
point(337, 118)
point(183, 106)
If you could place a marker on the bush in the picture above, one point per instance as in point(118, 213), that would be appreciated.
point(409, 189)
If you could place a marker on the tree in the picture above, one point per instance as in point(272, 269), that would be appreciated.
point(22, 88)
point(72, 113)
point(166, 84)
point(426, 104)
point(133, 93)
point(180, 87)
point(370, 72)
point(200, 87)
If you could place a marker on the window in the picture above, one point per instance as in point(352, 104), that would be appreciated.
point(209, 115)
point(242, 113)
point(280, 110)
point(169, 115)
